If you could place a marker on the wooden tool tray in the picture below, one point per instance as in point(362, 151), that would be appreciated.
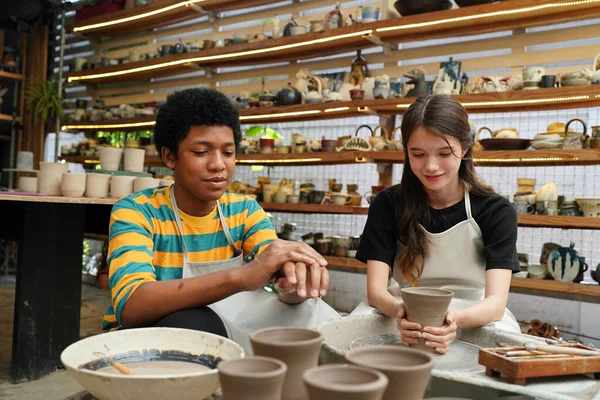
point(532, 364)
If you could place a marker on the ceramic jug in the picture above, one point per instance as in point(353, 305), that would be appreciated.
point(574, 140)
point(564, 263)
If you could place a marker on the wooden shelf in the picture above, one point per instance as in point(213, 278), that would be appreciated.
point(11, 76)
point(499, 16)
point(345, 262)
point(559, 221)
point(551, 288)
point(8, 118)
point(314, 208)
point(514, 158)
point(543, 99)
point(157, 19)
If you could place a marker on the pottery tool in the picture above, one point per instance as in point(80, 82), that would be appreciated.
point(562, 350)
point(117, 365)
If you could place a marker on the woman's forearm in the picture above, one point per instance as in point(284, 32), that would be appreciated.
point(383, 301)
point(490, 309)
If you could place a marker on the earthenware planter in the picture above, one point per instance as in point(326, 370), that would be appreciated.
point(110, 158)
point(96, 185)
point(252, 378)
point(145, 183)
point(408, 370)
point(298, 348)
point(427, 307)
point(50, 178)
point(121, 186)
point(342, 382)
point(133, 160)
point(72, 184)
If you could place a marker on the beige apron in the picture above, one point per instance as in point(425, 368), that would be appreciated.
point(246, 312)
point(455, 261)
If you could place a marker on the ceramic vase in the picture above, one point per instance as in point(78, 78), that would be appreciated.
point(427, 307)
point(121, 186)
point(28, 184)
point(96, 185)
point(50, 178)
point(73, 184)
point(252, 378)
point(298, 348)
point(110, 158)
point(344, 382)
point(408, 370)
point(145, 183)
point(133, 160)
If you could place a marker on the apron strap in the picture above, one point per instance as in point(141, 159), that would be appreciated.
point(178, 223)
point(468, 204)
point(236, 251)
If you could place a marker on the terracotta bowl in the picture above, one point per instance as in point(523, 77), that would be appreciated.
point(357, 94)
point(144, 346)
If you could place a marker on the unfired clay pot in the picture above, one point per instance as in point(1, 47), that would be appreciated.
point(50, 177)
point(110, 158)
point(408, 370)
point(427, 307)
point(73, 184)
point(121, 186)
point(252, 378)
point(96, 185)
point(344, 382)
point(133, 160)
point(28, 184)
point(145, 183)
point(298, 348)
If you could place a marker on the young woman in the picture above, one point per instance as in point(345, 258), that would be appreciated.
point(440, 227)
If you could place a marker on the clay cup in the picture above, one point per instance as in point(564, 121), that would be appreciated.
point(252, 378)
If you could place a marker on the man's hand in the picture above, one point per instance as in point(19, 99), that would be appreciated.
point(288, 260)
point(311, 281)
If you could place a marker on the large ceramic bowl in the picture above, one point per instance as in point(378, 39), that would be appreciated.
point(412, 7)
point(134, 347)
point(589, 205)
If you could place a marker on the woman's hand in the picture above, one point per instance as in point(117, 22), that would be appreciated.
point(436, 338)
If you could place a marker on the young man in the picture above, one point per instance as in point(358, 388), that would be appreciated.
point(194, 256)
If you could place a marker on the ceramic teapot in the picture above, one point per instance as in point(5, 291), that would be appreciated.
point(564, 263)
point(504, 133)
point(379, 143)
point(357, 142)
point(288, 95)
point(574, 140)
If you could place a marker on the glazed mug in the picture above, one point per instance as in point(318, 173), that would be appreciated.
point(548, 81)
point(583, 267)
point(341, 199)
point(316, 196)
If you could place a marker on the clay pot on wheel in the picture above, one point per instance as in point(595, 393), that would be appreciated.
point(427, 307)
point(341, 382)
point(412, 7)
point(408, 370)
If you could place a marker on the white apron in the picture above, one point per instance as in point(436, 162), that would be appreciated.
point(246, 312)
point(454, 261)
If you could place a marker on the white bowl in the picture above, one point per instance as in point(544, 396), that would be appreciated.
point(140, 345)
point(589, 205)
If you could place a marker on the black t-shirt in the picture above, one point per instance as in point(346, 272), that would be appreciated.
point(493, 213)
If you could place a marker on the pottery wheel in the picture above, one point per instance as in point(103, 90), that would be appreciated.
point(461, 355)
point(84, 395)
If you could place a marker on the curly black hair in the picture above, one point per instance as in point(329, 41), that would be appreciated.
point(190, 107)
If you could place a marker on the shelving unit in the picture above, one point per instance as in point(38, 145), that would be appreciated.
point(11, 76)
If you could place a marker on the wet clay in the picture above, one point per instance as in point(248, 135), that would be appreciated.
point(427, 307)
point(252, 378)
point(298, 348)
point(408, 370)
point(344, 382)
point(158, 368)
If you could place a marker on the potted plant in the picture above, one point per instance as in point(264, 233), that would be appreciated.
point(43, 96)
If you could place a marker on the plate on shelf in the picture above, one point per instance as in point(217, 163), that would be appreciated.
point(505, 144)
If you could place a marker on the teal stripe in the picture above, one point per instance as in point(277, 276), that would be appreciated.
point(131, 268)
point(252, 253)
point(123, 301)
point(165, 274)
point(238, 208)
point(200, 242)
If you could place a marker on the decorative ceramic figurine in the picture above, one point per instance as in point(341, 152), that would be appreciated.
point(333, 19)
point(416, 77)
point(359, 70)
point(564, 263)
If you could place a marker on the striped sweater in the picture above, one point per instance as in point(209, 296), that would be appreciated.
point(145, 246)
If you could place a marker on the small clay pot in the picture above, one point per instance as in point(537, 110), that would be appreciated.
point(408, 370)
point(340, 251)
point(427, 307)
point(298, 348)
point(341, 382)
point(357, 94)
point(324, 247)
point(252, 378)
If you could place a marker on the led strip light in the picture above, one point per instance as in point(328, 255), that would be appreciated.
point(219, 56)
point(287, 161)
point(136, 17)
point(487, 15)
point(518, 102)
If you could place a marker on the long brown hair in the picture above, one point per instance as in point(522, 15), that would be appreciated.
point(443, 116)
